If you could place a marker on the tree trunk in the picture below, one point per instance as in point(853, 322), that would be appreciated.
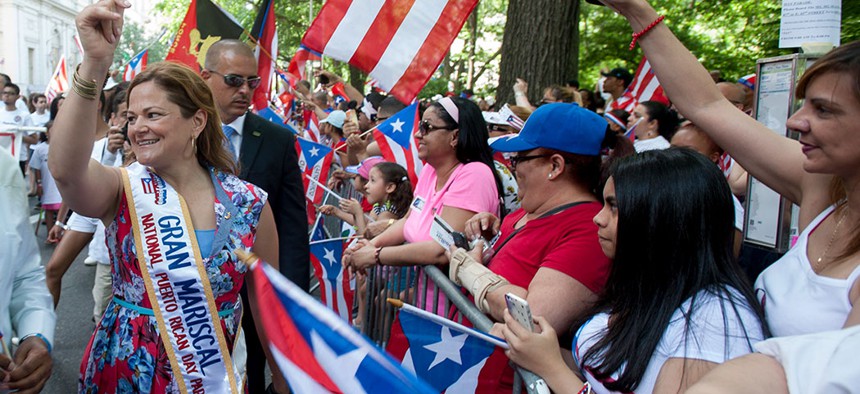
point(472, 25)
point(357, 78)
point(540, 45)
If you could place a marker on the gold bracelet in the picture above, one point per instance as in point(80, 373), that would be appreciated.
point(87, 89)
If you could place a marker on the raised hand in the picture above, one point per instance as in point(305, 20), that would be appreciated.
point(100, 27)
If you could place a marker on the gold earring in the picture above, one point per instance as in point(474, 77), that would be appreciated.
point(194, 145)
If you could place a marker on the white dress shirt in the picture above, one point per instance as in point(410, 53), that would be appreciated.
point(26, 306)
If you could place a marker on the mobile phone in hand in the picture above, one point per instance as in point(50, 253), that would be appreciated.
point(519, 309)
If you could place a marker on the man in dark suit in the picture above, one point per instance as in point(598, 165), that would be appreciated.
point(267, 157)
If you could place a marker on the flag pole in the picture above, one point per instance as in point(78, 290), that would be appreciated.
point(448, 323)
point(316, 182)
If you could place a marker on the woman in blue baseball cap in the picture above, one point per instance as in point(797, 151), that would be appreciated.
point(547, 250)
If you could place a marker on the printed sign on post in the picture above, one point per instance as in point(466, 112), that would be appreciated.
point(810, 21)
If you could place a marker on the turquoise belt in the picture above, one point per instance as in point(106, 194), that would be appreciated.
point(149, 312)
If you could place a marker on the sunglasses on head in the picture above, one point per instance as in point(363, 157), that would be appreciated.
point(237, 81)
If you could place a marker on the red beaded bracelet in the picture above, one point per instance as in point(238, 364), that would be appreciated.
point(644, 31)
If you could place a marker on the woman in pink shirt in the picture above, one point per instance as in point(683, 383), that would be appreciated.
point(457, 182)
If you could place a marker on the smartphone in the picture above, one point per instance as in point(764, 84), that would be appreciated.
point(124, 132)
point(460, 240)
point(519, 309)
point(323, 79)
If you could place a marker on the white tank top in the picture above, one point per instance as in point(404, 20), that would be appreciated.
point(798, 301)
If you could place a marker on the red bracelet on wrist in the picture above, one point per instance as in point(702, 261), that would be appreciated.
point(644, 31)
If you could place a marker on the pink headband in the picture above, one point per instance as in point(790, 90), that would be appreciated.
point(451, 108)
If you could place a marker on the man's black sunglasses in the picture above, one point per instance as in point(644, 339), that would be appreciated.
point(237, 81)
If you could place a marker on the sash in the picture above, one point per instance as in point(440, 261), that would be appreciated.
point(177, 285)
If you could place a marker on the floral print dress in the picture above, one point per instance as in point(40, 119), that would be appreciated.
point(126, 353)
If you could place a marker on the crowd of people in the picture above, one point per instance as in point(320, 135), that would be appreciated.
point(622, 230)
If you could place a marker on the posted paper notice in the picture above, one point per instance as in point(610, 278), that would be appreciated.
point(807, 21)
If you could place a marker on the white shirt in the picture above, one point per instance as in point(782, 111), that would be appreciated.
point(38, 120)
point(707, 339)
point(18, 117)
point(236, 138)
point(656, 143)
point(823, 362)
point(798, 301)
point(39, 161)
point(26, 306)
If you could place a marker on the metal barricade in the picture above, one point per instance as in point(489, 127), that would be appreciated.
point(395, 282)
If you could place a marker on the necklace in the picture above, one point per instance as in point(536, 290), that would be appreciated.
point(832, 238)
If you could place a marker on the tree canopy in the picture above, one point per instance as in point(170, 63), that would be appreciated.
point(725, 35)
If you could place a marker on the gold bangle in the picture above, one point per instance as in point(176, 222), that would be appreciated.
point(87, 89)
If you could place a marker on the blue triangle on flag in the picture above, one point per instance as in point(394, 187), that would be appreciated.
point(313, 152)
point(336, 345)
point(440, 356)
point(270, 115)
point(401, 126)
point(329, 253)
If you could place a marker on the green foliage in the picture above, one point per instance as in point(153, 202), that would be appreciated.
point(135, 39)
point(724, 35)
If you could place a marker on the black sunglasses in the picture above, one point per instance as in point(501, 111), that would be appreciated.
point(515, 160)
point(237, 81)
point(424, 128)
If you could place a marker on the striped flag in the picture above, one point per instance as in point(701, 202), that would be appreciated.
point(136, 65)
point(336, 292)
point(266, 51)
point(297, 63)
point(396, 139)
point(645, 87)
point(316, 350)
point(314, 161)
point(398, 43)
point(59, 82)
point(312, 126)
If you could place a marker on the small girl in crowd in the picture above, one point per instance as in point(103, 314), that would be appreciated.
point(387, 189)
point(50, 195)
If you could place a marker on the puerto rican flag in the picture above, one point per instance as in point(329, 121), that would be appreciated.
point(314, 161)
point(59, 82)
point(136, 65)
point(726, 163)
point(297, 63)
point(645, 87)
point(451, 361)
point(316, 350)
point(266, 51)
point(398, 43)
point(336, 292)
point(396, 139)
point(312, 126)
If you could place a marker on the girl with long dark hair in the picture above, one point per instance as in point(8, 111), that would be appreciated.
point(676, 304)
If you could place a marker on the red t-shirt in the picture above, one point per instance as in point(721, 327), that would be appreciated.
point(566, 242)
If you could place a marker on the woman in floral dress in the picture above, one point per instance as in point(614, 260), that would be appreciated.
point(176, 137)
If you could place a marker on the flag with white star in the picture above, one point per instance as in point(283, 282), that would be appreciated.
point(450, 360)
point(335, 289)
point(396, 139)
point(315, 161)
point(316, 350)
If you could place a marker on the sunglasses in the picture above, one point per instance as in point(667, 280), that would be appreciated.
point(424, 128)
point(237, 81)
point(515, 160)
